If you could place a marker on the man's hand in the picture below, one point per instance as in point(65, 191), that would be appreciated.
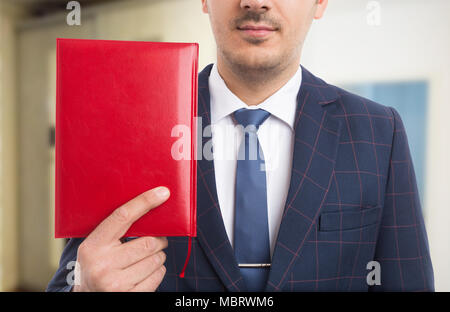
point(105, 264)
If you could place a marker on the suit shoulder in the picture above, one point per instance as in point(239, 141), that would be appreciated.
point(349, 103)
point(357, 105)
point(364, 119)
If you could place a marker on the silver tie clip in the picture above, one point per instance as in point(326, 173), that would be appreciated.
point(254, 265)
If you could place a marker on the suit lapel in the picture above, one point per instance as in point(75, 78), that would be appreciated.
point(212, 235)
point(317, 135)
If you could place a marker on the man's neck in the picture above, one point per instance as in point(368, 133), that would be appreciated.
point(255, 90)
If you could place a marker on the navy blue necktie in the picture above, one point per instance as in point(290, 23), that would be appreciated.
point(251, 229)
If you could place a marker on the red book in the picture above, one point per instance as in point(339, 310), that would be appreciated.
point(117, 104)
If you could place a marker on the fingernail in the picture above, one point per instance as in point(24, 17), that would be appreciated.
point(162, 192)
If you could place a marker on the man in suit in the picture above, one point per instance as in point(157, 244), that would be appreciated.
point(328, 199)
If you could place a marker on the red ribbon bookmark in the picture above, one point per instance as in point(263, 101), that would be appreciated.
point(187, 257)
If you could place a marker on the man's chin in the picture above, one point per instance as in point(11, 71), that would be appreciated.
point(258, 64)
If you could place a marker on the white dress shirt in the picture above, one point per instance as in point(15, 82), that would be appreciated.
point(276, 137)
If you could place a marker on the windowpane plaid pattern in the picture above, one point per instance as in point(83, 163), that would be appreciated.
point(352, 199)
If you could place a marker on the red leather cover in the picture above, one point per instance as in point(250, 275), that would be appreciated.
point(117, 102)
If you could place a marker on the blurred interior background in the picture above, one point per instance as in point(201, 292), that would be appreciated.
point(395, 52)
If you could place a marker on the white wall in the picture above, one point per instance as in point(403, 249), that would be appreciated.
point(412, 42)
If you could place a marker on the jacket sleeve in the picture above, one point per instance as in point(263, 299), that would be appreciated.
point(402, 245)
point(59, 282)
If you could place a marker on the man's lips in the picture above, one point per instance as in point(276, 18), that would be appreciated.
point(257, 30)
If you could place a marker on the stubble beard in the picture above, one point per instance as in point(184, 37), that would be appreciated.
point(259, 71)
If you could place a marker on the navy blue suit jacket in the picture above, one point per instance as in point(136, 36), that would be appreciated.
point(352, 199)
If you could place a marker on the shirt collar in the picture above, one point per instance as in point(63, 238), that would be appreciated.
point(282, 104)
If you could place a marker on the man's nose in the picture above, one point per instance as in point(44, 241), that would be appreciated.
point(259, 6)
